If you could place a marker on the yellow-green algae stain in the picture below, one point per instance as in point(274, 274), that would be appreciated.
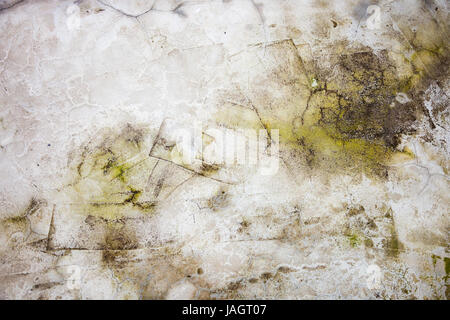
point(111, 176)
point(354, 240)
point(348, 119)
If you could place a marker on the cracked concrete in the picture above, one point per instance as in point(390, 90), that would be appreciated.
point(99, 199)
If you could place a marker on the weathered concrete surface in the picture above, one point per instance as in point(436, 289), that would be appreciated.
point(97, 199)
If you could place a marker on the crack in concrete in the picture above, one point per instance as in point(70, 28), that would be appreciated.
point(193, 171)
point(175, 10)
point(11, 5)
point(124, 13)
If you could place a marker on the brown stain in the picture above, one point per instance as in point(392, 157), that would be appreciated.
point(244, 224)
point(219, 201)
point(284, 269)
point(150, 274)
point(239, 288)
point(118, 237)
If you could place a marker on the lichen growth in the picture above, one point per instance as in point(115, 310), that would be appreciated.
point(343, 121)
point(347, 119)
point(353, 240)
point(109, 180)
